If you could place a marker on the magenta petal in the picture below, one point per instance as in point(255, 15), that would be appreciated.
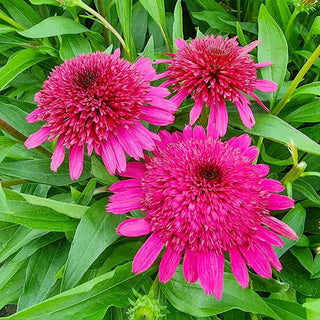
point(121, 207)
point(37, 138)
point(124, 185)
point(147, 254)
point(199, 133)
point(257, 261)
point(252, 153)
point(270, 254)
point(222, 118)
point(76, 161)
point(34, 115)
point(242, 142)
point(169, 264)
point(196, 111)
point(280, 227)
point(156, 116)
point(134, 227)
point(239, 267)
point(179, 97)
point(269, 237)
point(190, 266)
point(144, 65)
point(134, 170)
point(263, 64)
point(108, 157)
point(279, 202)
point(57, 156)
point(210, 271)
point(262, 169)
point(116, 53)
point(251, 46)
point(120, 157)
point(272, 185)
point(37, 97)
point(266, 85)
point(187, 133)
point(180, 43)
point(255, 97)
point(129, 143)
point(245, 113)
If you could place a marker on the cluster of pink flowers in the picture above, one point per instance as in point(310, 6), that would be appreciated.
point(201, 197)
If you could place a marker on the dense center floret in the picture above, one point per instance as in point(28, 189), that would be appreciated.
point(203, 194)
point(213, 68)
point(89, 96)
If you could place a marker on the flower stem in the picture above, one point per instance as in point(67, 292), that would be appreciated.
point(289, 26)
point(6, 18)
point(106, 24)
point(104, 31)
point(20, 137)
point(9, 183)
point(296, 81)
point(259, 144)
point(238, 10)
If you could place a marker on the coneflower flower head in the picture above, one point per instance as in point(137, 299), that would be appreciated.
point(98, 101)
point(304, 5)
point(203, 197)
point(213, 70)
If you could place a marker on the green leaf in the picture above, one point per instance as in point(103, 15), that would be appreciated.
point(3, 201)
point(274, 128)
point(273, 48)
point(5, 145)
point(6, 29)
point(69, 209)
point(210, 5)
point(307, 113)
point(21, 12)
point(124, 10)
point(287, 310)
point(295, 219)
point(86, 195)
point(298, 277)
point(17, 63)
point(19, 239)
point(139, 26)
point(96, 231)
point(39, 217)
point(177, 22)
point(90, 299)
point(39, 171)
point(191, 299)
point(54, 26)
point(39, 2)
point(41, 271)
point(72, 45)
point(99, 171)
point(280, 11)
point(307, 190)
point(304, 256)
point(13, 264)
point(315, 28)
point(312, 304)
point(157, 12)
point(312, 221)
point(310, 88)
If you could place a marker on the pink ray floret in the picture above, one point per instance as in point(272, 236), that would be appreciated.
point(212, 69)
point(98, 101)
point(202, 198)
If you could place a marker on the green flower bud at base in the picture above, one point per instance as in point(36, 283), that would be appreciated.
point(145, 308)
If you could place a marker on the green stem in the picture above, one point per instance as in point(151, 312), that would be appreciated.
point(296, 81)
point(165, 36)
point(106, 24)
point(289, 26)
point(9, 183)
point(104, 30)
point(6, 18)
point(20, 137)
point(238, 10)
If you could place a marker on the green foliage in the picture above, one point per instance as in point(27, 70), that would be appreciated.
point(60, 255)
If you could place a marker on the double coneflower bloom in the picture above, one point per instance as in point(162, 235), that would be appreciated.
point(204, 200)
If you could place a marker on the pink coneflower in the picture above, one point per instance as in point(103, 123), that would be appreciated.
point(203, 197)
point(213, 70)
point(98, 100)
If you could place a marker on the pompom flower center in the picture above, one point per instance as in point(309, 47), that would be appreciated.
point(89, 96)
point(194, 192)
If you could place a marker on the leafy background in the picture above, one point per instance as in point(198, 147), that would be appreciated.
point(60, 257)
